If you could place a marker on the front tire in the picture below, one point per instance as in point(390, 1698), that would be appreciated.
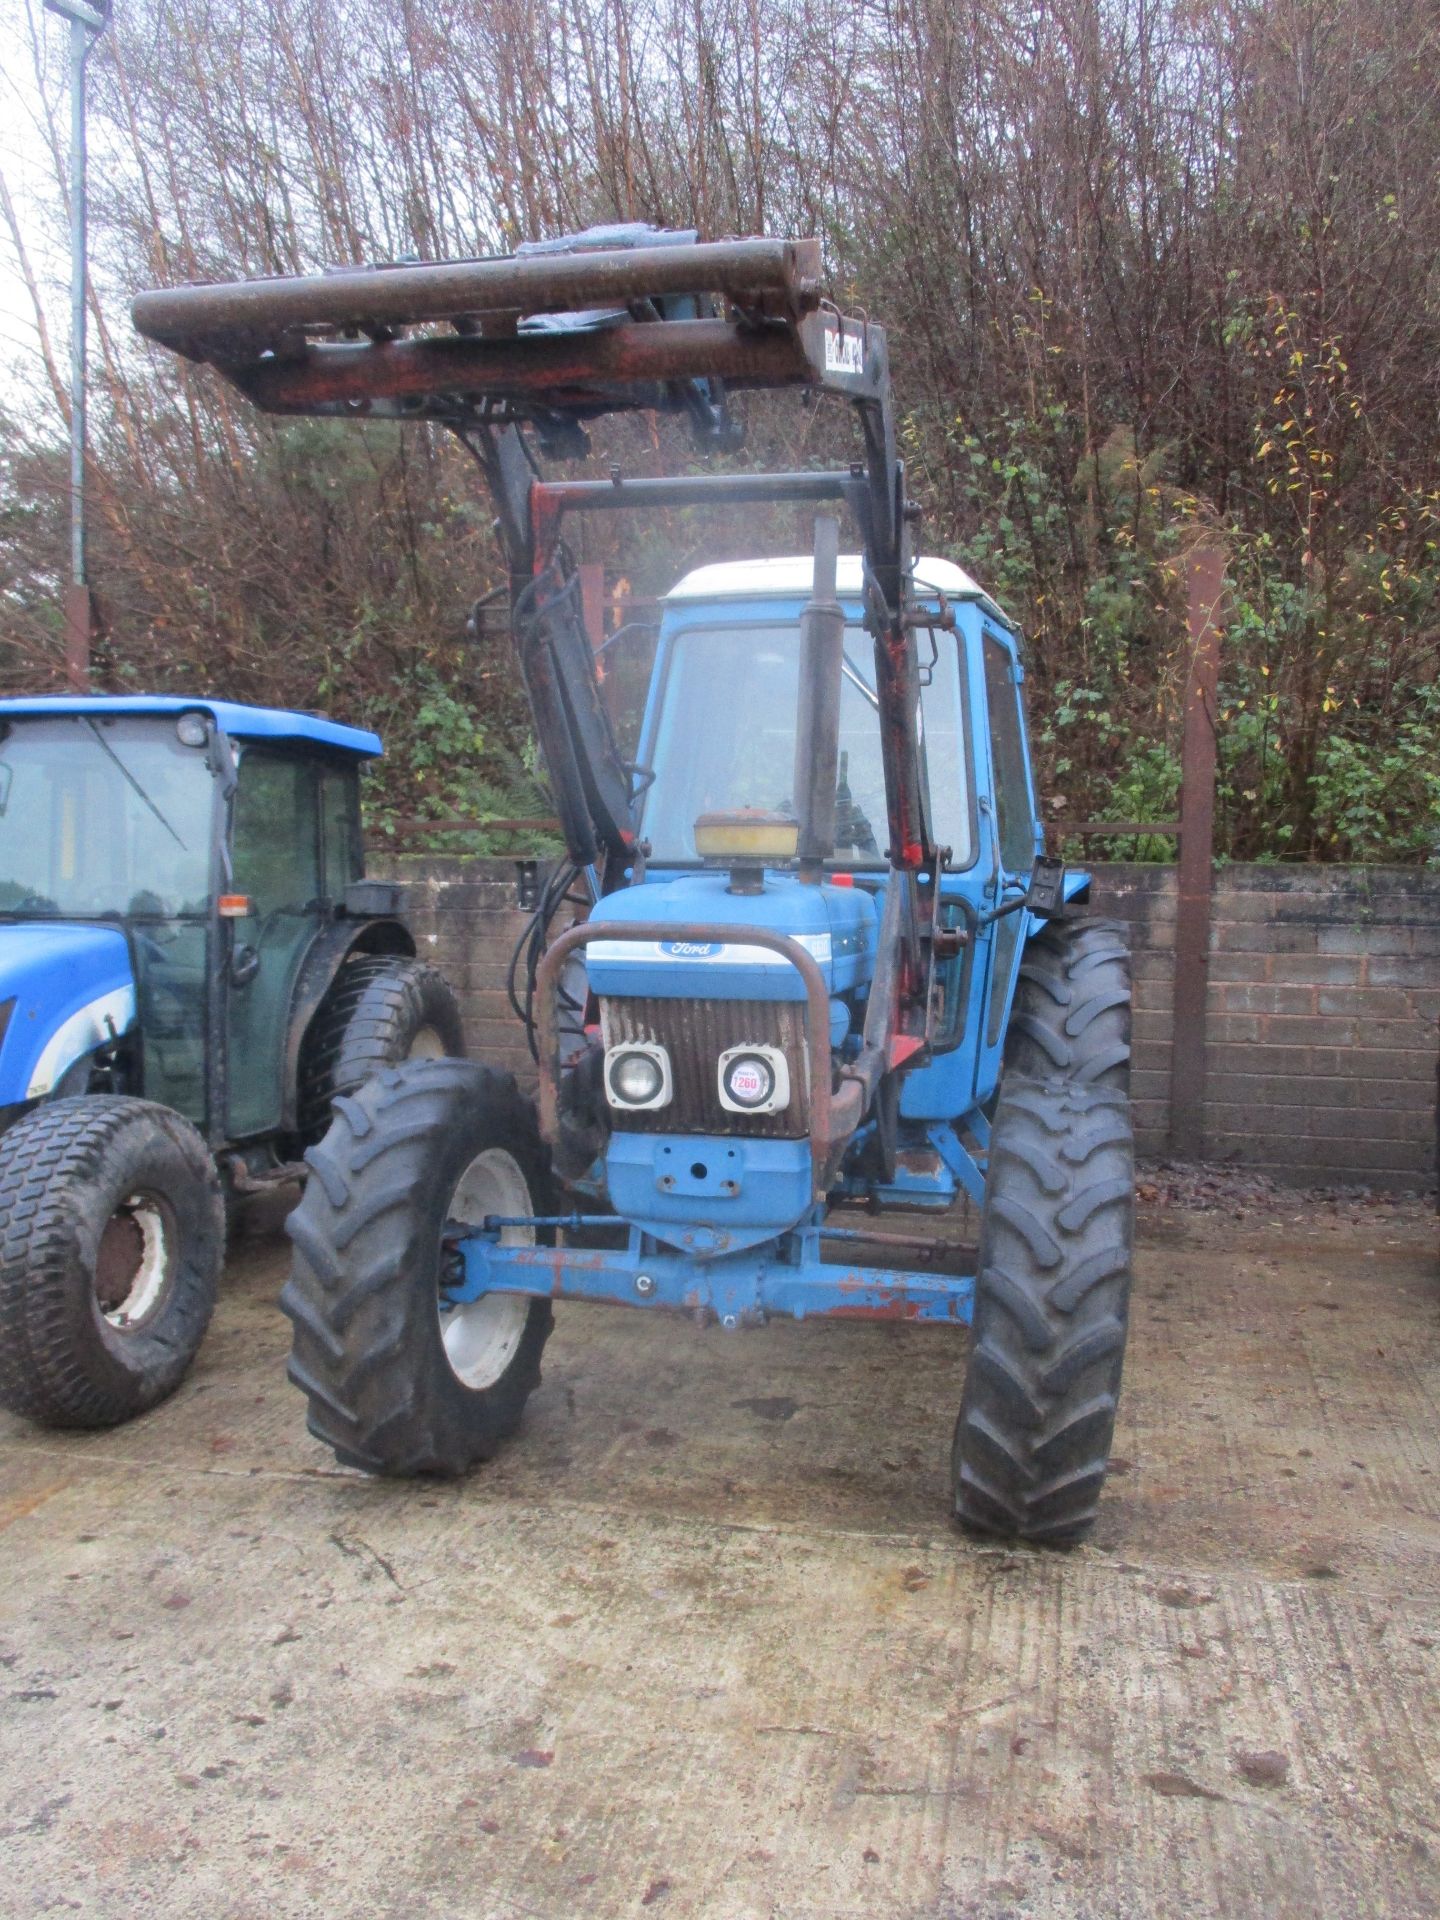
point(112, 1237)
point(396, 1382)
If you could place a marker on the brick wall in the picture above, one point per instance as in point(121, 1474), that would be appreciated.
point(1324, 1000)
point(1324, 996)
point(464, 918)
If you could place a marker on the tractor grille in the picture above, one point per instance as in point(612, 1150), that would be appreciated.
point(695, 1033)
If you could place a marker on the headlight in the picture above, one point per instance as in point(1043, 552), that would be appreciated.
point(754, 1080)
point(749, 1081)
point(637, 1077)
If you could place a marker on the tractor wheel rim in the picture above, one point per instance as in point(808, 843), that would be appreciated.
point(482, 1337)
point(134, 1261)
point(428, 1044)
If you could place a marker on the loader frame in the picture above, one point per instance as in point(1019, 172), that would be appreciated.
point(517, 350)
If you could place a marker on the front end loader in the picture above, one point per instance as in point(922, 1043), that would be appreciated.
point(818, 959)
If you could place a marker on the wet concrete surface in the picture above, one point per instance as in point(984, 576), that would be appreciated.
point(703, 1642)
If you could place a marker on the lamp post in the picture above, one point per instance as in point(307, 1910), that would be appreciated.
point(87, 20)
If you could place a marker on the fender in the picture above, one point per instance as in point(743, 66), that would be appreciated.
point(331, 948)
point(65, 989)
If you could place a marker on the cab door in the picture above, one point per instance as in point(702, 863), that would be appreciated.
point(275, 842)
point(1009, 841)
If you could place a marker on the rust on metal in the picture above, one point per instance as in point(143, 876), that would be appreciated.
point(547, 980)
point(235, 318)
point(695, 1032)
point(117, 1260)
point(897, 1308)
point(80, 626)
point(898, 690)
point(571, 369)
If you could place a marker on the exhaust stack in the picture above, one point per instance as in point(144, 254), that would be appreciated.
point(817, 732)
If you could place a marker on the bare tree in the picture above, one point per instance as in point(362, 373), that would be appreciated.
point(1143, 262)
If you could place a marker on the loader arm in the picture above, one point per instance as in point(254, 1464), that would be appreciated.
point(517, 352)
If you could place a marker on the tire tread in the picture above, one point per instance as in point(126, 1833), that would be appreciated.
point(1038, 1411)
point(361, 1295)
point(367, 1022)
point(54, 1366)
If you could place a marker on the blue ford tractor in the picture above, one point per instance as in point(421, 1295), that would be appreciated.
point(820, 961)
point(192, 967)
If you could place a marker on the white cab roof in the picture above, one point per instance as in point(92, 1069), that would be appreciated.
point(756, 579)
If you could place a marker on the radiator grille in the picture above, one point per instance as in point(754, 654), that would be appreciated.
point(695, 1033)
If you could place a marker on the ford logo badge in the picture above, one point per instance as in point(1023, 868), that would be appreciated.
point(690, 949)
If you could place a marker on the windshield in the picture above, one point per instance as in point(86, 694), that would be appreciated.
point(726, 739)
point(102, 815)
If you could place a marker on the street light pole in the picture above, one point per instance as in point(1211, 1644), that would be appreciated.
point(87, 23)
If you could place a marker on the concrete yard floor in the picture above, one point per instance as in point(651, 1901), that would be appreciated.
point(703, 1643)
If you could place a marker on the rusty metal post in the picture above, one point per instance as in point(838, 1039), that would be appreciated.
point(79, 632)
point(1205, 586)
point(592, 601)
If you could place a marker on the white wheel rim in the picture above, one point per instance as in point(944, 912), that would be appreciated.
point(483, 1336)
point(427, 1045)
point(153, 1270)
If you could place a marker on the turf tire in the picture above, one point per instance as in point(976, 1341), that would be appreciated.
point(368, 1350)
point(66, 1172)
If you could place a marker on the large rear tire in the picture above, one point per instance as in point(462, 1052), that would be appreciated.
point(112, 1237)
point(381, 1009)
point(397, 1383)
point(1037, 1415)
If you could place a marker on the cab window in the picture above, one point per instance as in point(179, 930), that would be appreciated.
point(339, 832)
point(275, 843)
point(1013, 814)
point(725, 738)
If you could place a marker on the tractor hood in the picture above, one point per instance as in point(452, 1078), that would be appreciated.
point(837, 927)
point(64, 989)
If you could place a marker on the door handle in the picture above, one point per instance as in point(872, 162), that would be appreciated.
point(244, 966)
point(992, 826)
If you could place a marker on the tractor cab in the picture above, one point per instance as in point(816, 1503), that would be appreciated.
point(720, 730)
point(166, 866)
point(717, 754)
